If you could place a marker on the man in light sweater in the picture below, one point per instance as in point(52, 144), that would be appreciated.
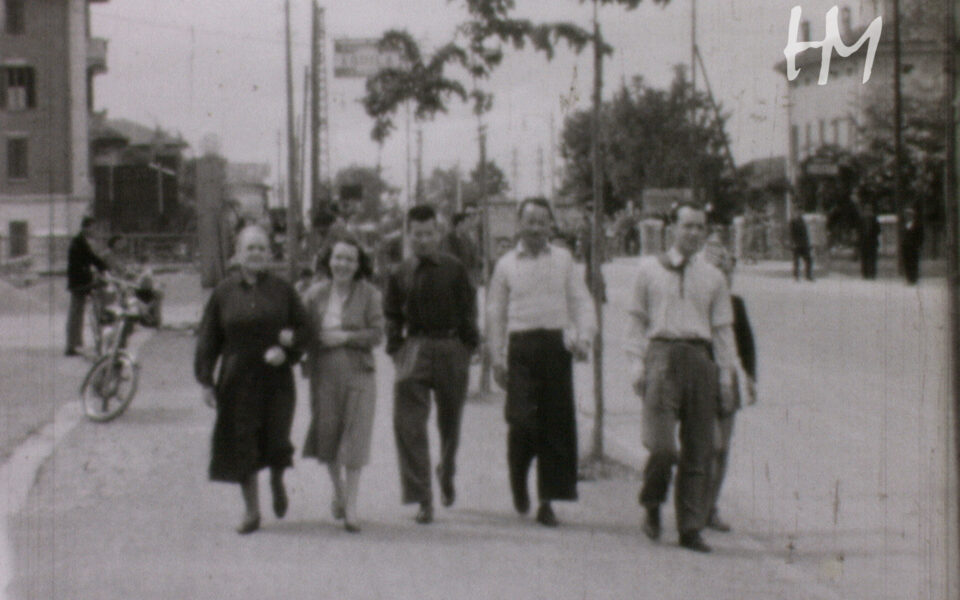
point(539, 317)
point(681, 334)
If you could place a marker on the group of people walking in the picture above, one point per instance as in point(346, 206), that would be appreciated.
point(540, 318)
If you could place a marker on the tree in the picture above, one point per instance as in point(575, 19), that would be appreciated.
point(649, 138)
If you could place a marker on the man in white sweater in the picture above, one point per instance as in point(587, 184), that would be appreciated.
point(539, 316)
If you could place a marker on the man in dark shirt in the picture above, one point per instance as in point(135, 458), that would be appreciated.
point(80, 258)
point(800, 241)
point(431, 313)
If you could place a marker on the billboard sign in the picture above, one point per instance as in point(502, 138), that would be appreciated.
point(360, 57)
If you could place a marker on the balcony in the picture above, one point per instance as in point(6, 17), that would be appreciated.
point(97, 55)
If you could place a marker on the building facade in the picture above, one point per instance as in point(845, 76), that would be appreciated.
point(48, 62)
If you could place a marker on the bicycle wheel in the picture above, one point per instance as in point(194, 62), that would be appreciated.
point(109, 386)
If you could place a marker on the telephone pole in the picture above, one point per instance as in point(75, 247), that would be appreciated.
point(596, 246)
point(293, 191)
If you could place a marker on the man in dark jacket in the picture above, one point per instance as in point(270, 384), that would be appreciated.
point(869, 242)
point(800, 242)
point(910, 245)
point(80, 259)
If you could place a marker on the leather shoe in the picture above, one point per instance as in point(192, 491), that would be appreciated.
point(651, 525)
point(546, 517)
point(71, 352)
point(692, 541)
point(336, 509)
point(425, 514)
point(448, 494)
point(249, 524)
point(280, 501)
point(351, 527)
point(717, 524)
point(521, 501)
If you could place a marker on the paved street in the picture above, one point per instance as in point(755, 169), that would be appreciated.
point(834, 486)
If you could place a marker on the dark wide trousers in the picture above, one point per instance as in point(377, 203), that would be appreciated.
point(78, 301)
point(681, 386)
point(424, 364)
point(540, 414)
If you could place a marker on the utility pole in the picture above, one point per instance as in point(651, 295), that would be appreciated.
point(419, 189)
point(485, 357)
point(597, 450)
point(951, 102)
point(540, 170)
point(293, 193)
point(515, 174)
point(553, 158)
point(316, 65)
point(302, 141)
point(898, 131)
point(694, 155)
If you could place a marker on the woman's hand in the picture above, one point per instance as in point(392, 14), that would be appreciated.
point(334, 337)
point(209, 397)
point(286, 337)
point(274, 356)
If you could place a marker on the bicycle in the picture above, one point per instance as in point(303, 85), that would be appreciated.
point(111, 383)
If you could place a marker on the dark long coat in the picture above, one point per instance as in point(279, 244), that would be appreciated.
point(255, 401)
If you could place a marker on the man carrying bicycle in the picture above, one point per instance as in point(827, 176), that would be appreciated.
point(81, 259)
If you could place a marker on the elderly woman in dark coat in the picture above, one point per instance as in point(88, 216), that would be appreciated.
point(347, 313)
point(255, 326)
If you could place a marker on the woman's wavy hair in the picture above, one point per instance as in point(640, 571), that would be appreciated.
point(365, 267)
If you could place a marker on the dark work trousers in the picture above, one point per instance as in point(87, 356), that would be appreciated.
point(540, 414)
point(424, 364)
point(911, 264)
point(868, 262)
point(802, 254)
point(78, 301)
point(681, 386)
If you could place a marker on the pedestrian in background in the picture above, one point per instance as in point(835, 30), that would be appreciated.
point(539, 316)
point(460, 242)
point(800, 242)
point(717, 254)
point(869, 241)
point(347, 315)
point(681, 332)
point(255, 327)
point(431, 314)
point(81, 260)
point(910, 245)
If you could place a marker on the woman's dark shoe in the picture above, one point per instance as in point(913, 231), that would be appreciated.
point(351, 527)
point(250, 524)
point(546, 517)
point(651, 526)
point(280, 501)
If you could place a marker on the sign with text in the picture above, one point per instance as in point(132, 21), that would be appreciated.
point(360, 57)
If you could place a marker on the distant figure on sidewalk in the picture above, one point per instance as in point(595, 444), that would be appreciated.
point(869, 241)
point(80, 281)
point(800, 242)
point(910, 245)
point(431, 314)
point(460, 242)
point(255, 327)
point(681, 333)
point(717, 254)
point(347, 315)
point(539, 317)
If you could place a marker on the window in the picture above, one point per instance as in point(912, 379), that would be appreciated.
point(19, 238)
point(13, 21)
point(836, 131)
point(794, 141)
point(17, 90)
point(806, 143)
point(16, 158)
point(821, 126)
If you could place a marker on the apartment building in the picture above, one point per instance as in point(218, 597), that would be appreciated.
point(48, 62)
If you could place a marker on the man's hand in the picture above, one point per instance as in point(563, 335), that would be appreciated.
point(500, 374)
point(274, 356)
point(209, 397)
point(286, 337)
point(728, 390)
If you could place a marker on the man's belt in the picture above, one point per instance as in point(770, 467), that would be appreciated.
point(436, 334)
point(694, 341)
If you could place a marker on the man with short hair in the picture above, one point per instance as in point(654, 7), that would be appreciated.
point(539, 315)
point(681, 332)
point(800, 243)
point(80, 259)
point(431, 313)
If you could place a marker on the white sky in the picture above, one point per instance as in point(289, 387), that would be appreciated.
point(216, 66)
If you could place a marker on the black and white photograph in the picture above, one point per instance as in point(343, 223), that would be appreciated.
point(479, 299)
